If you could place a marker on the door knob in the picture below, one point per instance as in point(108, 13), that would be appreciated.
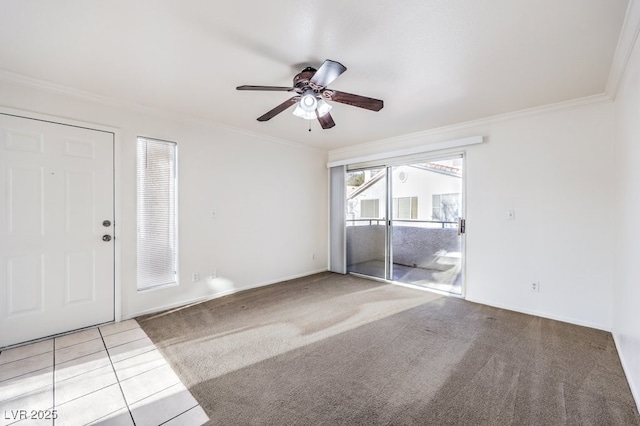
point(106, 238)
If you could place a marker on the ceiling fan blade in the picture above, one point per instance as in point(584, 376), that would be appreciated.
point(353, 100)
point(277, 110)
point(328, 71)
point(266, 88)
point(326, 121)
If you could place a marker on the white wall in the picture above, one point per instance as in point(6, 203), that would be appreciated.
point(269, 198)
point(553, 168)
point(626, 278)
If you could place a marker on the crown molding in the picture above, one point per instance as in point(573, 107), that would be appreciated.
point(626, 42)
point(427, 134)
point(33, 83)
point(261, 136)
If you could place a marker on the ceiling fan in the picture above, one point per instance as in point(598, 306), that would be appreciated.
point(310, 87)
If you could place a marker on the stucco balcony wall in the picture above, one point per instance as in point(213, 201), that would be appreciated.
point(412, 246)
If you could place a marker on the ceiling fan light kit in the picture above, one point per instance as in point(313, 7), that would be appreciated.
point(322, 108)
point(310, 87)
point(309, 102)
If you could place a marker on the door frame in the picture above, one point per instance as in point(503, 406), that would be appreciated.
point(117, 179)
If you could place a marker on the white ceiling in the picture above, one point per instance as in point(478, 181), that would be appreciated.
point(433, 62)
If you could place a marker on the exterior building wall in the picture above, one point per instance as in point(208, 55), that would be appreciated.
point(420, 183)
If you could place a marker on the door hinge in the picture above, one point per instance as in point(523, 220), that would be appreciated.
point(462, 226)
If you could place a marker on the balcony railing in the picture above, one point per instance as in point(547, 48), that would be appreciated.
point(412, 222)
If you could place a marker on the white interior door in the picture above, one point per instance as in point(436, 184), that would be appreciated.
point(56, 188)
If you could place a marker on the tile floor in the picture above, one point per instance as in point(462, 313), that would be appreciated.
point(110, 375)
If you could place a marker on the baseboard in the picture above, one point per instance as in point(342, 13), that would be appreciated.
point(292, 277)
point(540, 314)
point(206, 298)
point(634, 391)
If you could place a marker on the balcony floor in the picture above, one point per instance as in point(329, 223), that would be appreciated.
point(449, 281)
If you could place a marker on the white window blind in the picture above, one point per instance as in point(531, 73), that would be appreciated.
point(370, 208)
point(405, 208)
point(156, 217)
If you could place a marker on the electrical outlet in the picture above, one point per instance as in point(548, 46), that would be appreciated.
point(535, 286)
point(195, 277)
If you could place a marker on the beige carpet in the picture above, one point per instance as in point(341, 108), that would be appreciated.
point(332, 349)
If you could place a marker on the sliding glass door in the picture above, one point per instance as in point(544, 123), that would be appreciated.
point(426, 247)
point(403, 223)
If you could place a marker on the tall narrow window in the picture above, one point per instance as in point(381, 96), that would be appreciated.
point(157, 230)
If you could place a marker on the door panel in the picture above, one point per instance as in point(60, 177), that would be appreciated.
point(24, 201)
point(79, 198)
point(427, 202)
point(24, 285)
point(366, 222)
point(80, 282)
point(56, 273)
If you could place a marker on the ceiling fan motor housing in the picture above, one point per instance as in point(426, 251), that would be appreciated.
point(301, 80)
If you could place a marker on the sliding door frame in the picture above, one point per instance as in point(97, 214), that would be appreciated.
point(388, 165)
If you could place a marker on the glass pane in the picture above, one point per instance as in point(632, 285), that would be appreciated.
point(426, 249)
point(365, 218)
